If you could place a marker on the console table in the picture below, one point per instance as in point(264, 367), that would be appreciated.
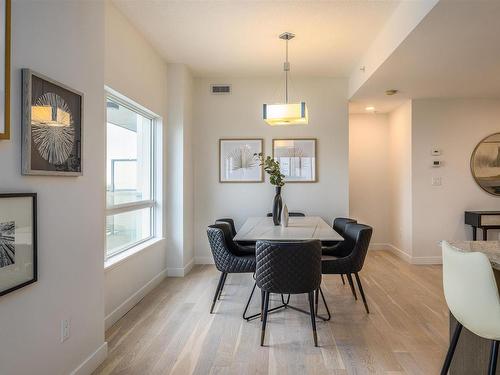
point(482, 220)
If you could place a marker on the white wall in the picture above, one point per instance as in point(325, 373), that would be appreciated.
point(400, 124)
point(239, 115)
point(180, 166)
point(65, 41)
point(455, 126)
point(135, 69)
point(369, 174)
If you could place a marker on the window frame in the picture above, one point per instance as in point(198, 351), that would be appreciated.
point(151, 203)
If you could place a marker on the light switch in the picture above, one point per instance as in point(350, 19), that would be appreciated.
point(436, 181)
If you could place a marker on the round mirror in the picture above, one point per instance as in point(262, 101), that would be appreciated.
point(485, 164)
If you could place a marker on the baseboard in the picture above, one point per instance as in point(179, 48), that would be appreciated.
point(399, 253)
point(182, 271)
point(427, 260)
point(92, 362)
point(379, 246)
point(133, 300)
point(203, 260)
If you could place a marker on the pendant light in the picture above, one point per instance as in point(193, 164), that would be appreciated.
point(286, 113)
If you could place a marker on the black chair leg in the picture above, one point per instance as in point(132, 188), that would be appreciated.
point(351, 283)
point(222, 285)
point(316, 300)
point(217, 292)
point(313, 317)
point(326, 306)
point(262, 303)
point(264, 318)
point(360, 287)
point(248, 302)
point(493, 358)
point(451, 349)
point(343, 280)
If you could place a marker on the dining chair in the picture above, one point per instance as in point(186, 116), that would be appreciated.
point(358, 236)
point(290, 214)
point(471, 294)
point(246, 246)
point(228, 258)
point(288, 268)
point(339, 248)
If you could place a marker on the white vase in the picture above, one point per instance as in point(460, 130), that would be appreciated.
point(284, 216)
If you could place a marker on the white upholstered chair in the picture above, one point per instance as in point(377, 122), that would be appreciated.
point(472, 296)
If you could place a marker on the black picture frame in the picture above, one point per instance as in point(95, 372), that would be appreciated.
point(34, 277)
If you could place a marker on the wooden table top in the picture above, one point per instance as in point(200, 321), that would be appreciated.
point(299, 228)
point(490, 248)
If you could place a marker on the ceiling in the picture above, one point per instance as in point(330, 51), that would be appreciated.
point(454, 53)
point(240, 38)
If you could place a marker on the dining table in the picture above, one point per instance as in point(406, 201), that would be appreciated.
point(299, 228)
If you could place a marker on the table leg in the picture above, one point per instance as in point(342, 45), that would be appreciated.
point(485, 234)
point(474, 233)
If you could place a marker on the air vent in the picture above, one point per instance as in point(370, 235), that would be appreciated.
point(220, 89)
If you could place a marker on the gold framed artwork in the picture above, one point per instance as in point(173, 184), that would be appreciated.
point(297, 158)
point(485, 164)
point(5, 6)
point(237, 160)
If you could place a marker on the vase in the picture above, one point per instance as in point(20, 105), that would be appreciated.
point(284, 216)
point(277, 206)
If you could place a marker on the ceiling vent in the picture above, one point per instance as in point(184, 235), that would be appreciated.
point(220, 89)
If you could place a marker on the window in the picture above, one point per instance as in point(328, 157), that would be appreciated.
point(130, 175)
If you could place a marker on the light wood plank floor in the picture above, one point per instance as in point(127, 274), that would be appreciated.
point(171, 331)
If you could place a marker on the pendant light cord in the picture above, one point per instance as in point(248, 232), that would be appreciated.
point(286, 67)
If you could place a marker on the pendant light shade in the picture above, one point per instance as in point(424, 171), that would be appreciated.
point(286, 113)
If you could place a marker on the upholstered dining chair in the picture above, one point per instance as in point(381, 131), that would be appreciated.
point(288, 268)
point(245, 246)
point(339, 248)
point(290, 214)
point(471, 294)
point(228, 258)
point(357, 239)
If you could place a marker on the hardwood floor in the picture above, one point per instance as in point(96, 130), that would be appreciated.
point(171, 331)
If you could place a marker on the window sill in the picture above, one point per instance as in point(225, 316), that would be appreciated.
point(117, 259)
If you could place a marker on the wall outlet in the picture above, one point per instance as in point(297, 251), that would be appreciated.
point(65, 329)
point(436, 181)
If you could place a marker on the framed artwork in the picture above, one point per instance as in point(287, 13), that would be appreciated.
point(52, 127)
point(237, 160)
point(5, 69)
point(18, 259)
point(485, 164)
point(297, 158)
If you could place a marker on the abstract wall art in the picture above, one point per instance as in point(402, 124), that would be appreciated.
point(52, 127)
point(297, 158)
point(18, 248)
point(237, 160)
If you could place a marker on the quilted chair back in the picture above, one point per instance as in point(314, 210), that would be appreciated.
point(231, 225)
point(360, 235)
point(340, 223)
point(224, 258)
point(288, 267)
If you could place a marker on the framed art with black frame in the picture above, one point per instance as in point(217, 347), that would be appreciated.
point(18, 241)
point(52, 127)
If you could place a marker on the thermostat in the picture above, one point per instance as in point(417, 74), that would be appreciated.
point(436, 151)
